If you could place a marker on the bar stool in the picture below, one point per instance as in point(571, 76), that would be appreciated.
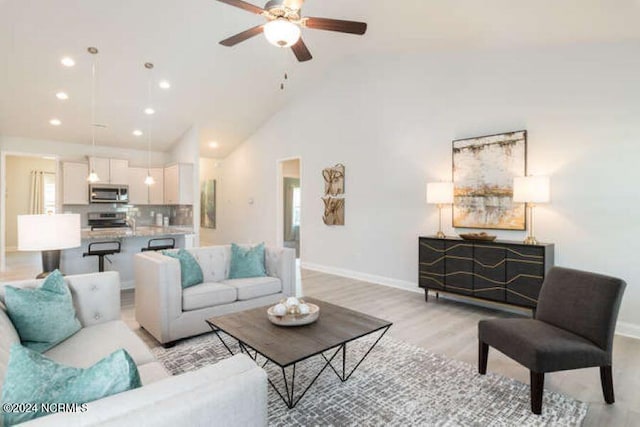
point(160, 246)
point(104, 249)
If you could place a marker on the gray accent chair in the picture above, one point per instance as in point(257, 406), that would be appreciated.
point(573, 328)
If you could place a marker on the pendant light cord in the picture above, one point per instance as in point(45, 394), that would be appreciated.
point(93, 105)
point(149, 82)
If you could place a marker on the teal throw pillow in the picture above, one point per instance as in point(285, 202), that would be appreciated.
point(247, 262)
point(44, 316)
point(190, 271)
point(34, 379)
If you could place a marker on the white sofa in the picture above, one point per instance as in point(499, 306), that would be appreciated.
point(231, 392)
point(170, 313)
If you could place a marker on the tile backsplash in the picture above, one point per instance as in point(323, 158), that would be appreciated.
point(144, 214)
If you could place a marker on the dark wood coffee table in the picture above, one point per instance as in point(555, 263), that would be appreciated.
point(287, 346)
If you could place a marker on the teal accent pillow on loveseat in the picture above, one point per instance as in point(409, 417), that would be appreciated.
point(190, 271)
point(44, 316)
point(247, 262)
point(38, 381)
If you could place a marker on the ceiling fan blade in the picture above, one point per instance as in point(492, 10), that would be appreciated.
point(301, 51)
point(244, 5)
point(240, 37)
point(351, 27)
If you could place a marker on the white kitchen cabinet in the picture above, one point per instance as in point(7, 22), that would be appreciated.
point(156, 191)
point(101, 167)
point(138, 190)
point(178, 184)
point(118, 171)
point(75, 189)
point(110, 171)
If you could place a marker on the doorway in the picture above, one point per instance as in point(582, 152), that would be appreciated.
point(291, 204)
point(29, 186)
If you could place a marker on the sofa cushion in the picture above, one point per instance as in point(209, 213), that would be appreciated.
point(190, 271)
point(35, 379)
point(8, 337)
point(247, 262)
point(207, 295)
point(91, 344)
point(43, 316)
point(214, 262)
point(255, 287)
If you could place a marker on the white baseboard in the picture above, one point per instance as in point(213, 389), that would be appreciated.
point(365, 277)
point(626, 329)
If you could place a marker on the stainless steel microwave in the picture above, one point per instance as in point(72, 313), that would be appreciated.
point(106, 193)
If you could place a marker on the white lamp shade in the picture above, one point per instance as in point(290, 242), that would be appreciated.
point(440, 193)
point(282, 33)
point(48, 232)
point(531, 189)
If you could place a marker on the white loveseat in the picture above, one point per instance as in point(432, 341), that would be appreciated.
point(170, 313)
point(231, 392)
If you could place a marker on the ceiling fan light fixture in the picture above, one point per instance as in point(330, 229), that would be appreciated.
point(282, 33)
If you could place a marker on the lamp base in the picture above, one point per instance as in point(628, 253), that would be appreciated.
point(530, 240)
point(50, 262)
point(441, 235)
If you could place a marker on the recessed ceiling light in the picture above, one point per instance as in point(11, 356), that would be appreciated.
point(62, 96)
point(137, 132)
point(68, 62)
point(55, 122)
point(214, 144)
point(164, 84)
point(149, 111)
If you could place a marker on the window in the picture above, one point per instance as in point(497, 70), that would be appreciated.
point(296, 207)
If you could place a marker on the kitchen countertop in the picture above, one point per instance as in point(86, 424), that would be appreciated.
point(142, 231)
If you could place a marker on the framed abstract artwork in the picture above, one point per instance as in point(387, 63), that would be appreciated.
point(483, 172)
point(208, 204)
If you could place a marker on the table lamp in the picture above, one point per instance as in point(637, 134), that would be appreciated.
point(49, 234)
point(531, 190)
point(440, 193)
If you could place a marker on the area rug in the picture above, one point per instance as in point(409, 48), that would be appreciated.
point(398, 384)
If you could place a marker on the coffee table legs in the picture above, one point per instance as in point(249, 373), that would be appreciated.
point(288, 394)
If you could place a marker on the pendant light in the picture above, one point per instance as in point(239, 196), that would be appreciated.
point(149, 179)
point(93, 176)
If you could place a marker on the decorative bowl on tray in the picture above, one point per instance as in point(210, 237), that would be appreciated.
point(293, 312)
point(479, 236)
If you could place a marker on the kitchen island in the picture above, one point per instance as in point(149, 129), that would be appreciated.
point(131, 241)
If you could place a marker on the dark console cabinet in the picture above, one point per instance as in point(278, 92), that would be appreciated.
point(506, 272)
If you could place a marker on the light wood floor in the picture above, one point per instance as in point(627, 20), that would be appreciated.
point(449, 327)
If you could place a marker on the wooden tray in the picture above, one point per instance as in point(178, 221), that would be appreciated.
point(295, 319)
point(478, 236)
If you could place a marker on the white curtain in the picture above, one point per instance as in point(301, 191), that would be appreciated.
point(36, 193)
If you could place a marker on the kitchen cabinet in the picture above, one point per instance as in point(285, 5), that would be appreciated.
point(138, 190)
point(75, 189)
point(141, 193)
point(178, 184)
point(110, 171)
point(156, 191)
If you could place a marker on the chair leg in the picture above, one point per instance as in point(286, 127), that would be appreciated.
point(606, 378)
point(483, 354)
point(537, 387)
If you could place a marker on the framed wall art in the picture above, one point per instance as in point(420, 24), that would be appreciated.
point(483, 172)
point(208, 204)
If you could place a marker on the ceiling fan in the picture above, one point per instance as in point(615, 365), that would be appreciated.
point(283, 28)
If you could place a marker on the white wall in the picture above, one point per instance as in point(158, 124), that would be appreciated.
point(17, 195)
point(211, 169)
point(79, 152)
point(391, 120)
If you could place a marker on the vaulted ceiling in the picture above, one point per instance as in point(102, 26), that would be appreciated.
point(230, 92)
